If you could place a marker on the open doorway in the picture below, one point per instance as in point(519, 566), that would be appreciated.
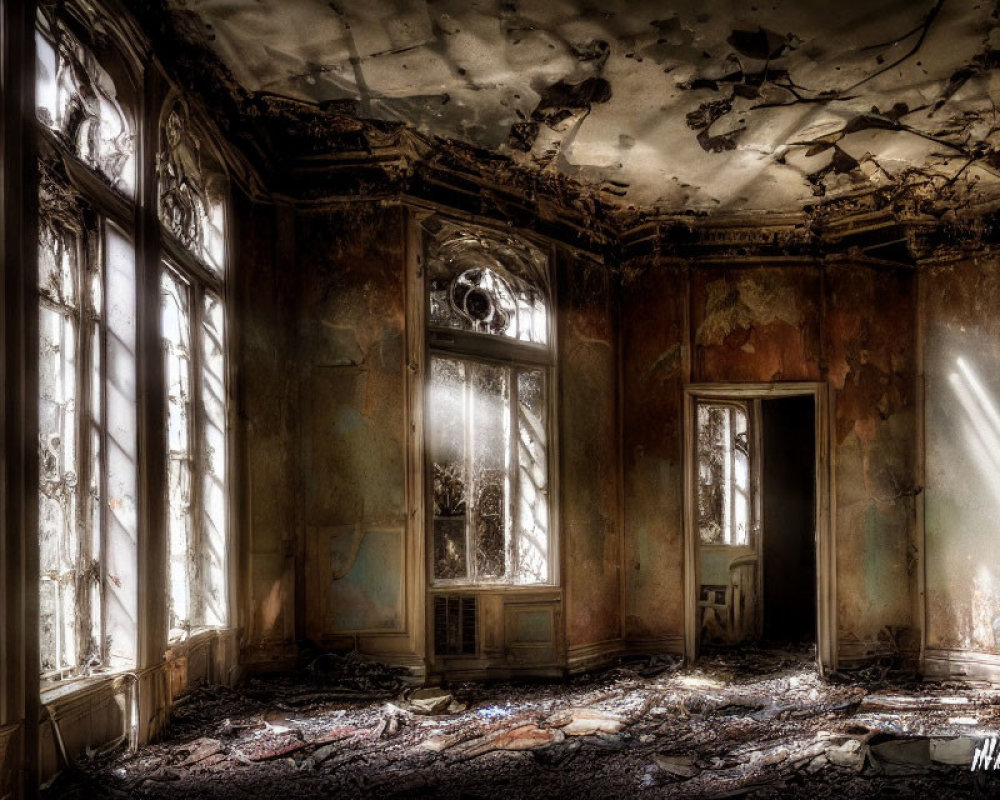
point(788, 505)
point(757, 555)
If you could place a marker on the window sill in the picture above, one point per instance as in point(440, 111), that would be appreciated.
point(53, 691)
point(197, 637)
point(496, 588)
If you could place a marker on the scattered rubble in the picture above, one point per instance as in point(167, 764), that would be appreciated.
point(754, 723)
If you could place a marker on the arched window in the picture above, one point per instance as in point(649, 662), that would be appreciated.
point(488, 407)
point(192, 206)
point(88, 419)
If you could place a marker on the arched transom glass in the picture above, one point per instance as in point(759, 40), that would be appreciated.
point(487, 284)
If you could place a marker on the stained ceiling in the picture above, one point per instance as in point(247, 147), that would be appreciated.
point(708, 105)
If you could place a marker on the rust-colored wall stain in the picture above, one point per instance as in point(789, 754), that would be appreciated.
point(588, 428)
point(756, 324)
point(763, 324)
point(653, 335)
point(871, 353)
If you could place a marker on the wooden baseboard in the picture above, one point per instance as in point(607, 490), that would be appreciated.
point(854, 653)
point(945, 664)
point(671, 645)
point(584, 657)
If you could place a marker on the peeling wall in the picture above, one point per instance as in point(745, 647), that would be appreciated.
point(871, 352)
point(962, 430)
point(847, 324)
point(756, 324)
point(653, 334)
point(588, 458)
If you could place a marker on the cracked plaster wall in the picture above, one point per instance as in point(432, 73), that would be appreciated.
point(962, 430)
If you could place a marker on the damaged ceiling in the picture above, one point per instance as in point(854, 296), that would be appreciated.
point(709, 105)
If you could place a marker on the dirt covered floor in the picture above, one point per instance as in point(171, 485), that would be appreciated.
point(757, 723)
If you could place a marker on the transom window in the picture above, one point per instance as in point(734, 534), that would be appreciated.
point(77, 100)
point(192, 189)
point(488, 413)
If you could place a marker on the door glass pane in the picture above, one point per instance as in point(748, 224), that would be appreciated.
point(723, 463)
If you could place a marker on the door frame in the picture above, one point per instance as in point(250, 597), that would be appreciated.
point(826, 607)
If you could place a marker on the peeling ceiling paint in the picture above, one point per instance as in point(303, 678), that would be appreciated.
point(709, 105)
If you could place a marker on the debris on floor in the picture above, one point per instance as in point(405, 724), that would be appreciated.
point(748, 723)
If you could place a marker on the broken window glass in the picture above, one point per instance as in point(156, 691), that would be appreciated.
point(490, 433)
point(490, 476)
point(723, 460)
point(77, 99)
point(192, 189)
point(487, 417)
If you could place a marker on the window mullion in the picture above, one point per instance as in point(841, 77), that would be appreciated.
point(196, 558)
point(104, 496)
point(471, 509)
point(513, 476)
point(84, 462)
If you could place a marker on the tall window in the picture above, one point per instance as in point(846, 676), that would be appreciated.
point(192, 200)
point(87, 364)
point(488, 408)
point(724, 503)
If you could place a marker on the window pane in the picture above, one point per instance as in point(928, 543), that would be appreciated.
point(490, 433)
point(122, 450)
point(59, 463)
point(490, 518)
point(213, 499)
point(446, 442)
point(76, 97)
point(533, 499)
point(175, 327)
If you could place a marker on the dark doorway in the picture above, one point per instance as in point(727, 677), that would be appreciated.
point(788, 523)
